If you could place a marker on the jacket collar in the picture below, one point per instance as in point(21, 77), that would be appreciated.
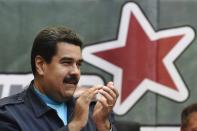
point(40, 108)
point(37, 104)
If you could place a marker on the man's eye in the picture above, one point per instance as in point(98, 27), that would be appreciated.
point(66, 62)
point(79, 64)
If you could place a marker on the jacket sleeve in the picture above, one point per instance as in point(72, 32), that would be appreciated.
point(111, 118)
point(7, 123)
point(112, 121)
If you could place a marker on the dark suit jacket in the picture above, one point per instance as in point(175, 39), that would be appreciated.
point(25, 111)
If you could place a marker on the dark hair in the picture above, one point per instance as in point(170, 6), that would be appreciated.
point(46, 41)
point(185, 115)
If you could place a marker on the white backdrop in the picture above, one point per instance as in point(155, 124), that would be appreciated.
point(160, 129)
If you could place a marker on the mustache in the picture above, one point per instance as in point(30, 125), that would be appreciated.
point(71, 80)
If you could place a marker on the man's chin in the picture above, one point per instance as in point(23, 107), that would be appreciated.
point(67, 98)
point(69, 90)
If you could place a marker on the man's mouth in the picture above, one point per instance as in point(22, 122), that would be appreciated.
point(71, 82)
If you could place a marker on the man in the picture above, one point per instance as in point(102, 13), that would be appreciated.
point(48, 103)
point(189, 118)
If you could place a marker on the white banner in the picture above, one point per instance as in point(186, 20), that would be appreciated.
point(160, 128)
point(8, 82)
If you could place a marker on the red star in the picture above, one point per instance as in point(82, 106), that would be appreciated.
point(141, 58)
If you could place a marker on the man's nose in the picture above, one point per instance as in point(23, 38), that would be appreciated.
point(75, 70)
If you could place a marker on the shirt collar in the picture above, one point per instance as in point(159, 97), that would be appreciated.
point(39, 106)
point(45, 98)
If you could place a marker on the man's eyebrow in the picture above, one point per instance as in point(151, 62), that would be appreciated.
point(66, 58)
point(70, 59)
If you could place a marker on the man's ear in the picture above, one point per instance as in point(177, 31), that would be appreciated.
point(39, 63)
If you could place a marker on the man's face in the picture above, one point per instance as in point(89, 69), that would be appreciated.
point(192, 122)
point(62, 74)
